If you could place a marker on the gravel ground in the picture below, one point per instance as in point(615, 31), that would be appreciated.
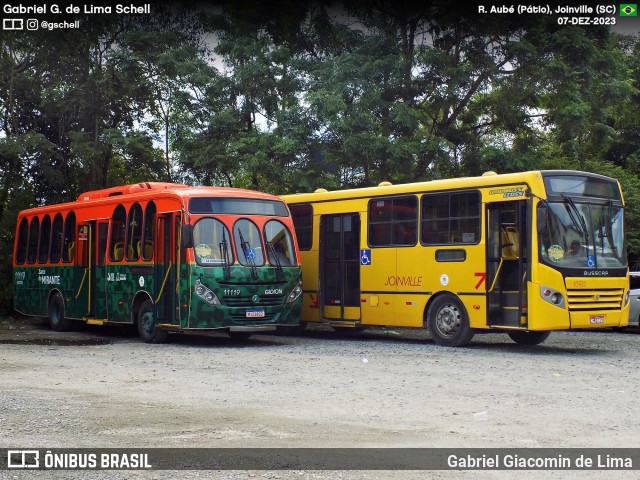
point(101, 387)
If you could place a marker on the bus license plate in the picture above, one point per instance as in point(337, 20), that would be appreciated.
point(596, 319)
point(255, 313)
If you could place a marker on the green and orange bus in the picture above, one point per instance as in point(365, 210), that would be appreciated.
point(162, 256)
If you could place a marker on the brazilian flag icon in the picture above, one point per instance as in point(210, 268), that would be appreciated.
point(629, 10)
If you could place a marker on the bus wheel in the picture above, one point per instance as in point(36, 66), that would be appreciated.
point(529, 338)
point(239, 336)
point(147, 329)
point(448, 322)
point(57, 321)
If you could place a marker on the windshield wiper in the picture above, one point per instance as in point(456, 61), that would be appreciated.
point(224, 253)
point(272, 249)
point(578, 220)
point(249, 255)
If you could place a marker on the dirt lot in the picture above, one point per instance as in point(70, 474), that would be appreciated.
point(101, 387)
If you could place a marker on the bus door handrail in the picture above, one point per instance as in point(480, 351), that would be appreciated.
point(82, 282)
point(164, 282)
point(495, 278)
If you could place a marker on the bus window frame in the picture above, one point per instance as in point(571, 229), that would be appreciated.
point(303, 247)
point(393, 222)
point(54, 235)
point(292, 262)
point(112, 244)
point(69, 242)
point(41, 243)
point(30, 245)
point(21, 243)
point(449, 193)
point(144, 239)
point(238, 244)
point(131, 253)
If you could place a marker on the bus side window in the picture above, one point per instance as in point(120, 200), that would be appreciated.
point(56, 239)
point(303, 223)
point(451, 218)
point(34, 232)
point(393, 221)
point(145, 246)
point(134, 232)
point(21, 245)
point(68, 245)
point(45, 237)
point(118, 221)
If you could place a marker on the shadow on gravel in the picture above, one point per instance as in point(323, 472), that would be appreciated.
point(497, 342)
point(58, 342)
point(36, 331)
point(369, 335)
point(222, 340)
point(590, 350)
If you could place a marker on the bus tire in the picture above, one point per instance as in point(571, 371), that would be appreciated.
point(448, 322)
point(529, 338)
point(57, 322)
point(147, 329)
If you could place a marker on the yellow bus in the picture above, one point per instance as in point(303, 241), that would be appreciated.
point(521, 253)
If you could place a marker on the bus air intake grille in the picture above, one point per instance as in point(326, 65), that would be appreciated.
point(247, 302)
point(601, 299)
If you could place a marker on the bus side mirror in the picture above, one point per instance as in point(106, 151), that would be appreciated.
point(186, 236)
point(543, 225)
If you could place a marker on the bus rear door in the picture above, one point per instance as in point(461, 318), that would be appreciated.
point(91, 294)
point(99, 270)
point(340, 267)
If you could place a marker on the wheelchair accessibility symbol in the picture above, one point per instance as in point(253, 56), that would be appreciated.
point(591, 261)
point(365, 256)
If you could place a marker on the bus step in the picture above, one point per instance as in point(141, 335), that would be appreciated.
point(94, 321)
point(341, 323)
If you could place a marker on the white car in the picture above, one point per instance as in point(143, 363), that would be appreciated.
point(634, 299)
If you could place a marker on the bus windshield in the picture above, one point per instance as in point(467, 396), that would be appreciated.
point(238, 206)
point(211, 240)
point(581, 235)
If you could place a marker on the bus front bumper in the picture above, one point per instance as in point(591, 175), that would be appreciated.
point(253, 328)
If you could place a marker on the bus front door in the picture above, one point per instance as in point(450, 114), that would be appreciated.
point(507, 264)
point(166, 270)
point(340, 267)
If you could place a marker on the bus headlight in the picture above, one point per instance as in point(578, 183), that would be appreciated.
point(206, 294)
point(295, 293)
point(552, 296)
point(626, 298)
